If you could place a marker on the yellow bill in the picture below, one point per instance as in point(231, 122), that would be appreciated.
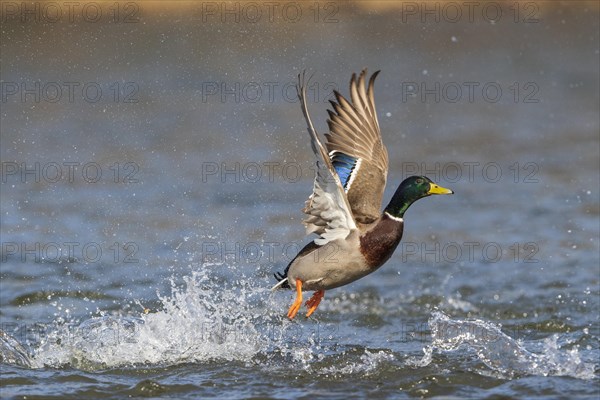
point(437, 189)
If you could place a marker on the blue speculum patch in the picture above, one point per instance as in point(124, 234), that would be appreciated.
point(344, 165)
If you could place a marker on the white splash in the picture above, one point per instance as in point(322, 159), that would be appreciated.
point(196, 323)
point(367, 363)
point(500, 352)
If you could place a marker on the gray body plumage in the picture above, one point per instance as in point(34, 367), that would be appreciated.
point(341, 262)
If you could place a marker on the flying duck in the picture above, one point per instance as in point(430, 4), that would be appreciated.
point(355, 238)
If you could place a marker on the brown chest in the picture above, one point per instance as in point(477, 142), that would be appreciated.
point(378, 244)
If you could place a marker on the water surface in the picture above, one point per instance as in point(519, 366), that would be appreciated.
point(140, 229)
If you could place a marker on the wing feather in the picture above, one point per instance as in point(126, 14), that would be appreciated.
point(328, 210)
point(354, 131)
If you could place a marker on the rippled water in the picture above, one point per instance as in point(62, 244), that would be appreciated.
point(140, 229)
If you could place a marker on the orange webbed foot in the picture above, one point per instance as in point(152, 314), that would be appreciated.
point(314, 301)
point(298, 302)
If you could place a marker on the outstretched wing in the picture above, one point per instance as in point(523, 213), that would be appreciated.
point(356, 149)
point(328, 210)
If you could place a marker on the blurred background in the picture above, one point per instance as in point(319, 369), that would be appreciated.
point(143, 142)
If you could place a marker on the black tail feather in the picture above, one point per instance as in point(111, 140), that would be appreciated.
point(279, 276)
point(311, 246)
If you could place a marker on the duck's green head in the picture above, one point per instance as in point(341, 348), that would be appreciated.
point(410, 190)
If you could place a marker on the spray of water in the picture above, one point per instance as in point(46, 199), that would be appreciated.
point(209, 318)
point(500, 352)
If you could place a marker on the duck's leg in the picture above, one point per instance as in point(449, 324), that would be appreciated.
point(314, 301)
point(298, 302)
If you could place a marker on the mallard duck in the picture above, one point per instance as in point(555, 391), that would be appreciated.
point(355, 238)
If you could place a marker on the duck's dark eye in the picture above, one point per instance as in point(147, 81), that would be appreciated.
point(419, 181)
